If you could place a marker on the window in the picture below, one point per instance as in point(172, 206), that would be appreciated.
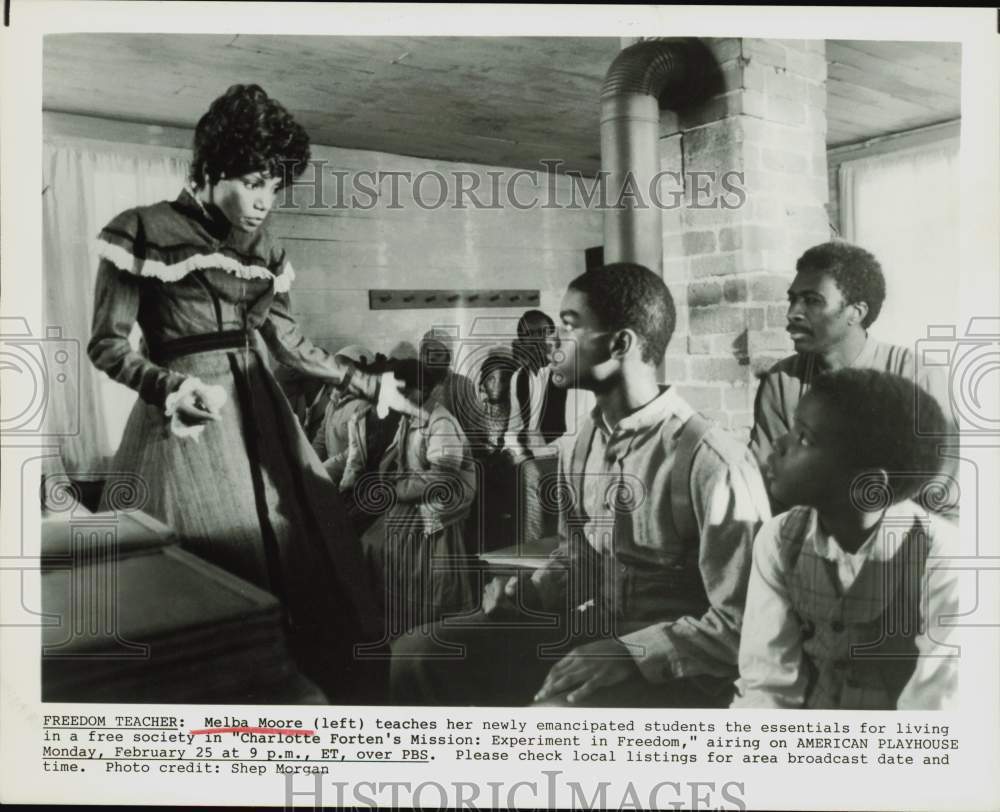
point(903, 206)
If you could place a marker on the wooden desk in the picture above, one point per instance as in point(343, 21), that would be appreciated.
point(131, 617)
point(528, 555)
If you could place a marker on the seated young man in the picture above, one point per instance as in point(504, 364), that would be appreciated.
point(846, 593)
point(639, 605)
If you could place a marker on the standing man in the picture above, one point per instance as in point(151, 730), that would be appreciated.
point(836, 296)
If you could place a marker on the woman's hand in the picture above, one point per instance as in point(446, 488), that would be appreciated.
point(201, 403)
point(192, 410)
point(390, 396)
point(193, 406)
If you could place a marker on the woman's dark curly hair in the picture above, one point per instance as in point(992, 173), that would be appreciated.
point(247, 131)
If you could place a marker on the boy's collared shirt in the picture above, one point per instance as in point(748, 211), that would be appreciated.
point(772, 672)
point(848, 565)
point(729, 503)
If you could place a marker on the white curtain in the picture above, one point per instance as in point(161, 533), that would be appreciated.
point(904, 208)
point(85, 184)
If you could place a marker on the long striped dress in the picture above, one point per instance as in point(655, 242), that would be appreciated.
point(249, 493)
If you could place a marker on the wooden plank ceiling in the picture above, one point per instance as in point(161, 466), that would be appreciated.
point(508, 101)
point(876, 88)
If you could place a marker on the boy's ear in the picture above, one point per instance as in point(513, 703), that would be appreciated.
point(875, 492)
point(882, 477)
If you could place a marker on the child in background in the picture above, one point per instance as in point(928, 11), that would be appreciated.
point(845, 600)
point(429, 471)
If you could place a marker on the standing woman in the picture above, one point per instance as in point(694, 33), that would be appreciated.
point(212, 436)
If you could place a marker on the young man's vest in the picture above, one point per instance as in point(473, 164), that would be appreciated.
point(638, 582)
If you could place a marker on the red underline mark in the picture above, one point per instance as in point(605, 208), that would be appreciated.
point(282, 731)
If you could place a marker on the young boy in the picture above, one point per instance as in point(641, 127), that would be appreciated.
point(638, 605)
point(847, 592)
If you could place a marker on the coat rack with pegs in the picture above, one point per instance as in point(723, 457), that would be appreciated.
point(412, 299)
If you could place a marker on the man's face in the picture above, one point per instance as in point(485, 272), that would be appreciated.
point(809, 465)
point(581, 356)
point(819, 318)
point(246, 200)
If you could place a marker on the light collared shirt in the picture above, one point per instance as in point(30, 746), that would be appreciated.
point(729, 504)
point(772, 671)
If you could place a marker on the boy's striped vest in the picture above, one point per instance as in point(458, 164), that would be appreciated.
point(858, 645)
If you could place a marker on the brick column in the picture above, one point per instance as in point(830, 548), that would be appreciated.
point(729, 267)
